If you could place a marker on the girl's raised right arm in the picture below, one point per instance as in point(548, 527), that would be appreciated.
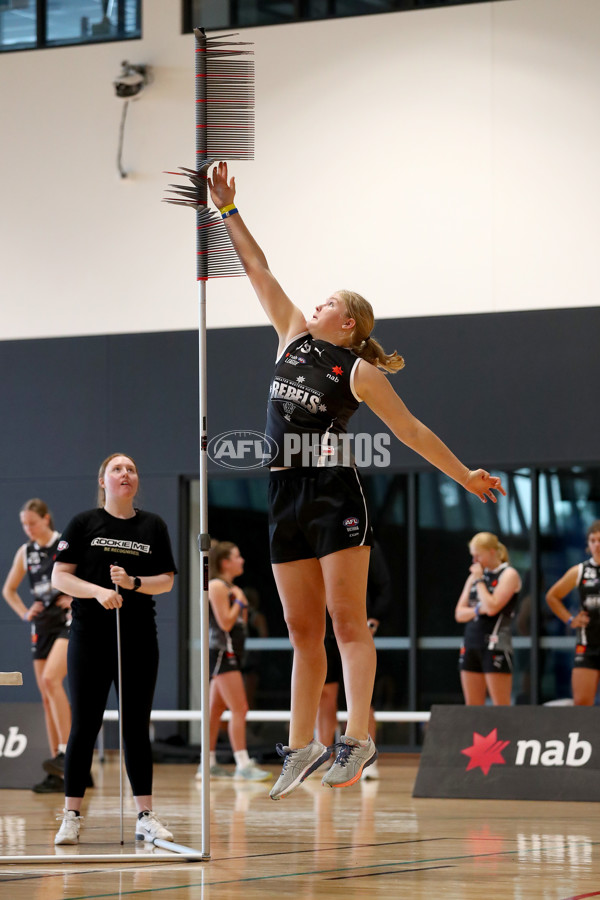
point(285, 317)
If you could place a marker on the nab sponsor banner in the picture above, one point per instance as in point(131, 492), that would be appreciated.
point(511, 753)
point(23, 744)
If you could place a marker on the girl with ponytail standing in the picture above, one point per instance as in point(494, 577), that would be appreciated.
point(487, 605)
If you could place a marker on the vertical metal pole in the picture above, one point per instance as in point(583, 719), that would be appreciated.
point(200, 69)
point(120, 693)
point(413, 633)
point(534, 627)
point(204, 547)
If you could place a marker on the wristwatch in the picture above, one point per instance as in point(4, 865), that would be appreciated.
point(137, 582)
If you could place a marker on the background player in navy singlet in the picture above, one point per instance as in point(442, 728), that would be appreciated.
point(487, 605)
point(319, 526)
point(586, 578)
point(49, 617)
point(228, 617)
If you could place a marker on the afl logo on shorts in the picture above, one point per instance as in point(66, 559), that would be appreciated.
point(351, 525)
point(63, 545)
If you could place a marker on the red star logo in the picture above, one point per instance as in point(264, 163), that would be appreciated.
point(485, 751)
point(337, 370)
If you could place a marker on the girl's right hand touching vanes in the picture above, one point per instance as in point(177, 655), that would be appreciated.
point(222, 191)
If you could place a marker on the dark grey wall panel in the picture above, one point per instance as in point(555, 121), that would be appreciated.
point(502, 390)
point(53, 403)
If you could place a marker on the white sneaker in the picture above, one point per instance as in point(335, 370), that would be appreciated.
point(251, 772)
point(149, 827)
point(371, 773)
point(68, 833)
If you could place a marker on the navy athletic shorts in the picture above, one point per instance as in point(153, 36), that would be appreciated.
point(43, 640)
point(486, 661)
point(220, 662)
point(316, 511)
point(587, 657)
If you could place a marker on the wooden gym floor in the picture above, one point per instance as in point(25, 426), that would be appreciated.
point(371, 840)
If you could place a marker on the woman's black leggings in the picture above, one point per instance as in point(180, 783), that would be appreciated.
point(92, 669)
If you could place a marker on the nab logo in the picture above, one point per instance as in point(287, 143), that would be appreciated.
point(14, 744)
point(486, 751)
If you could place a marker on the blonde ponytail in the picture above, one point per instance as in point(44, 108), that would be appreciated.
point(363, 344)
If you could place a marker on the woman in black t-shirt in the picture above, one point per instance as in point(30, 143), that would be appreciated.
point(318, 520)
point(113, 557)
point(487, 605)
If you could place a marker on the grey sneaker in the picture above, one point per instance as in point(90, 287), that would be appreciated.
point(251, 772)
point(68, 833)
point(350, 761)
point(297, 765)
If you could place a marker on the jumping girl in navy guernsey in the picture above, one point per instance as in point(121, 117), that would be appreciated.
point(487, 605)
point(318, 521)
point(584, 576)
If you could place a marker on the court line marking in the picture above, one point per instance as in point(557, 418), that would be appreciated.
point(582, 896)
point(396, 872)
point(179, 887)
point(328, 849)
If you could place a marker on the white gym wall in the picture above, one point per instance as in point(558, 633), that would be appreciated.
point(439, 161)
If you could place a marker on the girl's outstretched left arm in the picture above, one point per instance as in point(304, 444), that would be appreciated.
point(373, 387)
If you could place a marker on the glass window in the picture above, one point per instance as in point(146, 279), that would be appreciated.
point(446, 520)
point(216, 14)
point(18, 24)
point(386, 496)
point(73, 21)
point(26, 24)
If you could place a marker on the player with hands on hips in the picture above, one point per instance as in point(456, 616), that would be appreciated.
point(49, 618)
point(585, 576)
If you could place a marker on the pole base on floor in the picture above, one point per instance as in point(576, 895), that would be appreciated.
point(179, 849)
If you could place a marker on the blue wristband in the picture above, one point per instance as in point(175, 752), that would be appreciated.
point(230, 212)
point(568, 622)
